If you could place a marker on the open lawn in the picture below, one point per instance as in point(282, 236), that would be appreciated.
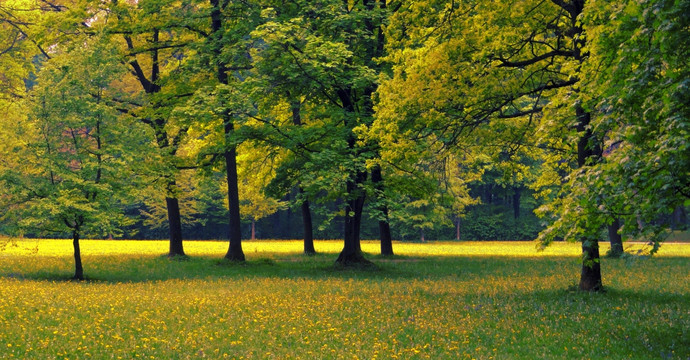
point(482, 300)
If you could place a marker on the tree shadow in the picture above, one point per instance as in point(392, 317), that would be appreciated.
point(149, 268)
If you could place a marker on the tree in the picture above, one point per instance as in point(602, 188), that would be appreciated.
point(636, 88)
point(74, 176)
point(282, 121)
point(157, 36)
point(323, 58)
point(513, 67)
point(222, 101)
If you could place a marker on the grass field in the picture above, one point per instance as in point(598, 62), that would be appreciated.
point(478, 300)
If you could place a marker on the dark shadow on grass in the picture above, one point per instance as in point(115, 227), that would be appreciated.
point(113, 269)
point(175, 257)
point(648, 334)
point(160, 268)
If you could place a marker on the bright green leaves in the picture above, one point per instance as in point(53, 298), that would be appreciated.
point(637, 87)
point(435, 94)
point(294, 56)
point(75, 154)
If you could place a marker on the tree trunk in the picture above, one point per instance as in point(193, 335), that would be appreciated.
point(679, 218)
point(590, 278)
point(457, 228)
point(384, 225)
point(235, 252)
point(517, 193)
point(385, 235)
point(308, 232)
point(308, 228)
point(78, 268)
point(151, 87)
point(352, 250)
point(175, 227)
point(615, 239)
point(358, 105)
point(253, 230)
point(421, 235)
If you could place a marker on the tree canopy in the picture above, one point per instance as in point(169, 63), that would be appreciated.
point(406, 115)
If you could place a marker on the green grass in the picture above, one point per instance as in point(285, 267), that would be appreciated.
point(435, 300)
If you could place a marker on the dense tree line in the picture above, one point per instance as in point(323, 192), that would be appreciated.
point(371, 118)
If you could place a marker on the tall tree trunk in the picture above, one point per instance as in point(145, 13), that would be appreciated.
point(172, 203)
point(615, 239)
point(358, 106)
point(384, 225)
point(253, 237)
point(588, 150)
point(590, 277)
point(308, 228)
point(352, 250)
point(78, 268)
point(308, 232)
point(235, 252)
point(151, 87)
point(421, 235)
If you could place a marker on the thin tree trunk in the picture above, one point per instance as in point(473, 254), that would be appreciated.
point(235, 252)
point(308, 228)
point(457, 228)
point(384, 225)
point(421, 235)
point(308, 232)
point(151, 87)
point(253, 230)
point(385, 235)
point(517, 193)
point(615, 239)
point(78, 268)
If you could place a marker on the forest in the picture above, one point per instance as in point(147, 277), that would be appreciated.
point(346, 119)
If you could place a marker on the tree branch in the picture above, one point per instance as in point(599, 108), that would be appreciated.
point(534, 60)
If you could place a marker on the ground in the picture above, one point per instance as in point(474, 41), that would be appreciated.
point(437, 300)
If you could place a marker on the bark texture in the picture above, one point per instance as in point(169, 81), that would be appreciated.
point(615, 239)
point(235, 252)
point(308, 228)
point(175, 227)
point(78, 268)
point(384, 224)
point(590, 277)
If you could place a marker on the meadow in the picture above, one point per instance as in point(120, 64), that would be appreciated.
point(437, 300)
